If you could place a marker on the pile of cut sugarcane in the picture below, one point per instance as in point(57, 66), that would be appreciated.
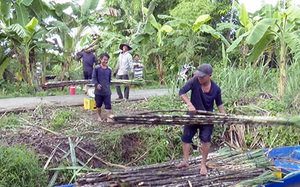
point(225, 168)
point(202, 118)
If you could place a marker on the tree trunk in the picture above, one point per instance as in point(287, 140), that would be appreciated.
point(244, 53)
point(282, 63)
point(160, 69)
point(282, 77)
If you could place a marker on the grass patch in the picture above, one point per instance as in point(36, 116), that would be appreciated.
point(60, 118)
point(20, 167)
point(9, 121)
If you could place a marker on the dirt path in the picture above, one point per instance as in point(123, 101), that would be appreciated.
point(30, 103)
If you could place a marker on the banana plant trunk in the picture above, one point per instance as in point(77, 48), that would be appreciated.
point(282, 70)
point(23, 56)
point(160, 69)
point(282, 62)
point(65, 66)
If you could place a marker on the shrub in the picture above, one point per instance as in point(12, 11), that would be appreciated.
point(19, 167)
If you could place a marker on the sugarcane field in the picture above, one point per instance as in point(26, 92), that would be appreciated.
point(128, 93)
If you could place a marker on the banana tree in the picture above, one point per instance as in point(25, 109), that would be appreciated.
point(242, 31)
point(155, 44)
point(279, 27)
point(20, 35)
point(69, 28)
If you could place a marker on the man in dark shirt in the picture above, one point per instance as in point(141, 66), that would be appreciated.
point(204, 92)
point(101, 79)
point(89, 60)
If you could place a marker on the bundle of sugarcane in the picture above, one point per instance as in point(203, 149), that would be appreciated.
point(202, 118)
point(239, 161)
point(166, 174)
point(173, 177)
point(137, 82)
point(64, 83)
point(267, 176)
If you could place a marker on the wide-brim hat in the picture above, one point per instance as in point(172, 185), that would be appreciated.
point(121, 46)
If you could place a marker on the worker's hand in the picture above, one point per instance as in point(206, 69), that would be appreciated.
point(99, 87)
point(191, 109)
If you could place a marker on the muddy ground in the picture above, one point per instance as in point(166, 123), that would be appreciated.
point(36, 131)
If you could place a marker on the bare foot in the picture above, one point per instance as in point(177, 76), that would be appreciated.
point(182, 164)
point(100, 120)
point(203, 170)
point(110, 120)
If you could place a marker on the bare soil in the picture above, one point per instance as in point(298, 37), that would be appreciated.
point(82, 129)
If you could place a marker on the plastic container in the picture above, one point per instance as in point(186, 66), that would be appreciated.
point(89, 103)
point(72, 90)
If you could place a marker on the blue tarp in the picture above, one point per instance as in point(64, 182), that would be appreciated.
point(66, 185)
point(290, 180)
point(288, 160)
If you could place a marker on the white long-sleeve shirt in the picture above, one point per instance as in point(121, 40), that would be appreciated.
point(124, 64)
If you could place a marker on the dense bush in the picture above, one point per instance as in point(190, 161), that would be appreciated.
point(19, 167)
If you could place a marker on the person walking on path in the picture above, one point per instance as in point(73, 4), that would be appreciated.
point(204, 92)
point(138, 67)
point(89, 60)
point(101, 78)
point(123, 69)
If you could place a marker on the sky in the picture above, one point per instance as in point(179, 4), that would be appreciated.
point(254, 5)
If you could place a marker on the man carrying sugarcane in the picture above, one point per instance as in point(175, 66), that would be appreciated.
point(89, 61)
point(204, 92)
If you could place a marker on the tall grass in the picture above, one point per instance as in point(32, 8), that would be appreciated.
point(253, 91)
point(237, 83)
point(292, 89)
point(19, 167)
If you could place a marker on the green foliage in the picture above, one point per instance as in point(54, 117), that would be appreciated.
point(19, 167)
point(278, 135)
point(191, 10)
point(164, 143)
point(9, 121)
point(161, 143)
point(273, 106)
point(237, 83)
point(111, 147)
point(165, 102)
point(60, 118)
point(17, 89)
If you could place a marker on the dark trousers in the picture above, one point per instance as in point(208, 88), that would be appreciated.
point(126, 88)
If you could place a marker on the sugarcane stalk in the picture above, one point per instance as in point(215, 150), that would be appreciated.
point(267, 176)
point(204, 119)
point(233, 166)
point(128, 82)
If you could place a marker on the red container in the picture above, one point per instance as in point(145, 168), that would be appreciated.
point(72, 89)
